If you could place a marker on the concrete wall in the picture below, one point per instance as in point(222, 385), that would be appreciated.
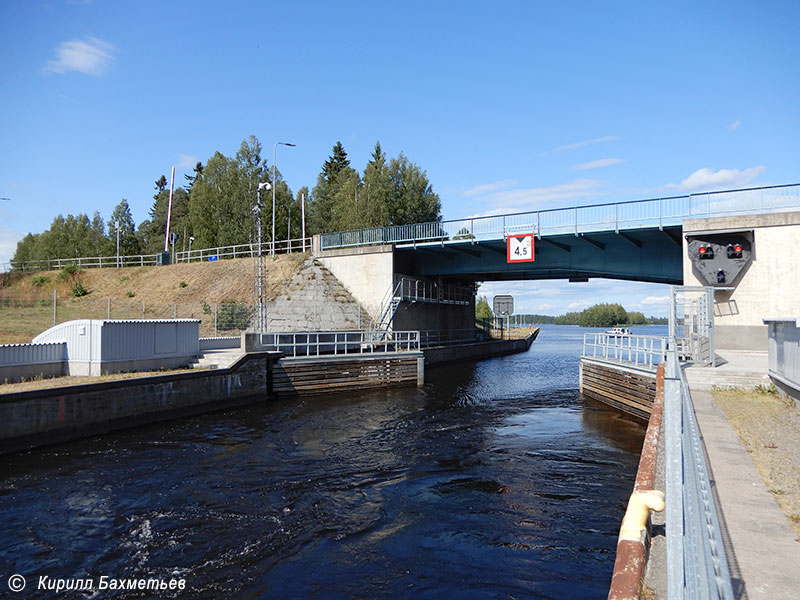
point(315, 300)
point(477, 351)
point(422, 316)
point(768, 287)
point(47, 416)
point(366, 272)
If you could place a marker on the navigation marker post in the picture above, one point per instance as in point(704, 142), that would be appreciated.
point(503, 305)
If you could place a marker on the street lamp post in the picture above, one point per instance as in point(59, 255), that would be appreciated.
point(117, 227)
point(274, 185)
point(189, 258)
point(261, 317)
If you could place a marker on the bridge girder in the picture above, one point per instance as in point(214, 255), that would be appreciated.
point(640, 255)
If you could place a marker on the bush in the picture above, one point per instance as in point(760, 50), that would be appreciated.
point(130, 293)
point(183, 284)
point(78, 290)
point(40, 280)
point(69, 272)
point(233, 315)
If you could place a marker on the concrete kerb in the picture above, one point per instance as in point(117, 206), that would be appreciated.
point(632, 547)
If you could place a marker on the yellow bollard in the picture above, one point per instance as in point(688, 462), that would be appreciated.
point(640, 504)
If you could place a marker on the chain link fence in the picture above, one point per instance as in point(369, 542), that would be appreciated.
point(25, 314)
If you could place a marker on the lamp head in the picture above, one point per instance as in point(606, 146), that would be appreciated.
point(264, 186)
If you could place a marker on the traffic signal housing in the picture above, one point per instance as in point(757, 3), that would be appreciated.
point(706, 252)
point(718, 259)
point(734, 250)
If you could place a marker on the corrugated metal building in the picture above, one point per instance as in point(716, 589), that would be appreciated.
point(95, 347)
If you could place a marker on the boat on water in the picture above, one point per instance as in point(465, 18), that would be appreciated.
point(618, 331)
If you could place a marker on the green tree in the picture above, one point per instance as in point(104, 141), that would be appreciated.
point(377, 190)
point(324, 215)
point(152, 231)
point(482, 309)
point(413, 198)
point(129, 243)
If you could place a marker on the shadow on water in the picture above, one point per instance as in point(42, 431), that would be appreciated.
point(496, 479)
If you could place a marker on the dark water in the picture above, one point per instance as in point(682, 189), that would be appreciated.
point(495, 480)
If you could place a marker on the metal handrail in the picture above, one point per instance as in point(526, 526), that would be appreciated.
point(637, 350)
point(143, 260)
point(616, 216)
point(697, 565)
point(298, 344)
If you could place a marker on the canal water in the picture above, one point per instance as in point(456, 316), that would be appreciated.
point(494, 480)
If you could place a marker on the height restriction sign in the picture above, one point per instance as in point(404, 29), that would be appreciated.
point(520, 248)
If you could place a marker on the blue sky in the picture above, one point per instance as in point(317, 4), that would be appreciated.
point(508, 106)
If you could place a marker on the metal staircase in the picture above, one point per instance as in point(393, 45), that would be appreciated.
point(410, 289)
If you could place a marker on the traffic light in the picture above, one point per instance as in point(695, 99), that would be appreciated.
point(706, 252)
point(720, 276)
point(734, 250)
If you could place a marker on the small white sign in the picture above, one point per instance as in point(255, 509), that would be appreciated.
point(520, 248)
point(503, 306)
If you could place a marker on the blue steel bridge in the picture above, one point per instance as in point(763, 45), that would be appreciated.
point(637, 240)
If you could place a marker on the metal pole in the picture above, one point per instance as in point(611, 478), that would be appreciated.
point(303, 219)
point(117, 224)
point(169, 210)
point(54, 308)
point(215, 319)
point(108, 308)
point(274, 185)
point(289, 230)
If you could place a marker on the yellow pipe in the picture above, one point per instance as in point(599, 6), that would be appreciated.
point(640, 504)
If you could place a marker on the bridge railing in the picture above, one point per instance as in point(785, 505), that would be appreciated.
point(637, 350)
point(618, 216)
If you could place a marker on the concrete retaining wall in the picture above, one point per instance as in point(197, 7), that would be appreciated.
point(41, 417)
point(477, 351)
point(367, 273)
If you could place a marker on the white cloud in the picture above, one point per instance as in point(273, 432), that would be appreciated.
point(544, 307)
point(584, 143)
point(735, 125)
point(489, 187)
point(658, 300)
point(704, 179)
point(596, 164)
point(580, 305)
point(186, 161)
point(544, 197)
point(91, 57)
point(8, 244)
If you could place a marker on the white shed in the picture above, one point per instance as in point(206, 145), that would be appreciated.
point(96, 346)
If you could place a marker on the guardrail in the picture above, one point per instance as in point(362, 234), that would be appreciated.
point(637, 350)
point(144, 260)
point(635, 214)
point(784, 352)
point(697, 566)
point(317, 343)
